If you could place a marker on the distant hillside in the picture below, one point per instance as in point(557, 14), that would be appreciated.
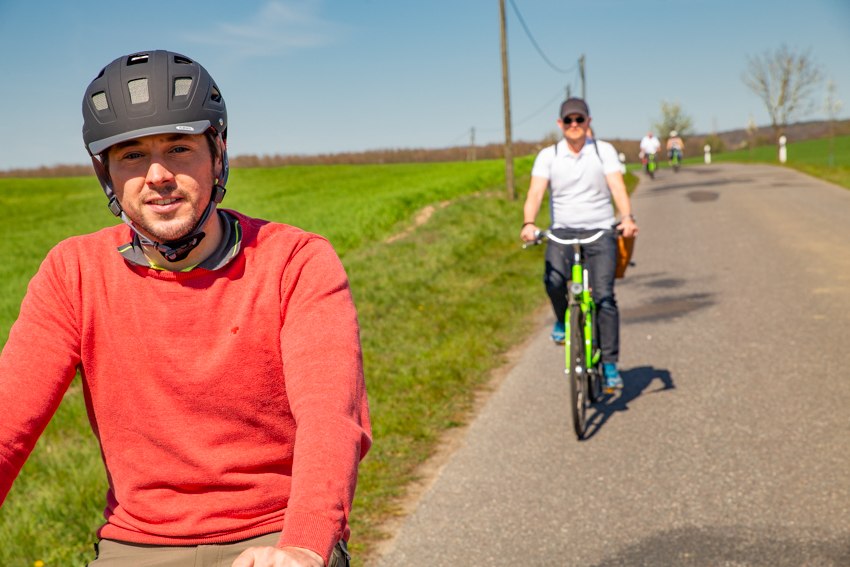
point(721, 141)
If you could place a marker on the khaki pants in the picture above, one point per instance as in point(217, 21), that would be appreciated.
point(111, 553)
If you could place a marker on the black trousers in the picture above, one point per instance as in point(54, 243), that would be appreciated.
point(600, 258)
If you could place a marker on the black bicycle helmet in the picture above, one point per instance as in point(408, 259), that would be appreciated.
point(154, 92)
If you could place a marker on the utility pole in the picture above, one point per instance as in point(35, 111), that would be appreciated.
point(581, 74)
point(509, 153)
point(470, 156)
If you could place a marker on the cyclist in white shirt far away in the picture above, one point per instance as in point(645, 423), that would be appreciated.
point(649, 146)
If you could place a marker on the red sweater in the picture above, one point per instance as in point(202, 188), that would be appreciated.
point(228, 403)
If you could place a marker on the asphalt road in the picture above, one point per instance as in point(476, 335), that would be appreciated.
point(730, 445)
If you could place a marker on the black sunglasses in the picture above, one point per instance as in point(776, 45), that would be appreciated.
point(578, 120)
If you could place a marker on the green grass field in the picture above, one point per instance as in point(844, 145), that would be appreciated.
point(438, 308)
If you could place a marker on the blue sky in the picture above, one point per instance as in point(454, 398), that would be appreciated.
point(322, 76)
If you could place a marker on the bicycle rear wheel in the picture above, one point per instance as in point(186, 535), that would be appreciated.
point(576, 370)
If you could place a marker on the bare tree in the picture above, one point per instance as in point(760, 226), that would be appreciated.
point(783, 80)
point(673, 118)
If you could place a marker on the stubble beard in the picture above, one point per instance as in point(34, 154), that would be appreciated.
point(168, 228)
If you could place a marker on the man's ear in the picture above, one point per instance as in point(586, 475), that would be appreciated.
point(220, 147)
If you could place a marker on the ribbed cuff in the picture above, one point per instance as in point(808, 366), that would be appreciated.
point(311, 531)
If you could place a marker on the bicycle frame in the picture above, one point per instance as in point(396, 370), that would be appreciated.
point(650, 164)
point(580, 293)
point(675, 158)
point(582, 363)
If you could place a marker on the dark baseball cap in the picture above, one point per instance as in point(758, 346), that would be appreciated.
point(574, 106)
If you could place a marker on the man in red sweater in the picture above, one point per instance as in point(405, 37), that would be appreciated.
point(219, 354)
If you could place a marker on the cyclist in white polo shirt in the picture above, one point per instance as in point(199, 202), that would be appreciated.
point(582, 175)
point(649, 146)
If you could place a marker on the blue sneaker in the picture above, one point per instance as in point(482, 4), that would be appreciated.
point(613, 380)
point(558, 333)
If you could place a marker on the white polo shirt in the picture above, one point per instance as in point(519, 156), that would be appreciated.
point(578, 192)
point(650, 145)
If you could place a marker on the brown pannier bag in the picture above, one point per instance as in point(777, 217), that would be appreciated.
point(625, 246)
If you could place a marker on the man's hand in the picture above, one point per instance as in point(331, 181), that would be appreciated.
point(628, 227)
point(528, 233)
point(278, 557)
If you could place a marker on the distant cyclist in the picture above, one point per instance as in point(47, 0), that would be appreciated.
point(219, 354)
point(675, 146)
point(582, 176)
point(649, 146)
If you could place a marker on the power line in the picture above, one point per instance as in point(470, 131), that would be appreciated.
point(549, 105)
point(534, 43)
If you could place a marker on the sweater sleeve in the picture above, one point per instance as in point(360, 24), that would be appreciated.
point(37, 364)
point(323, 372)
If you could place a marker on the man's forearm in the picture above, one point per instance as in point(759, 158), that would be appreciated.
point(620, 194)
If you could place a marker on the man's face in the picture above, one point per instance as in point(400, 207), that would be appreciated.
point(574, 127)
point(163, 182)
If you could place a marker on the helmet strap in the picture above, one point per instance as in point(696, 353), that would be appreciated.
point(175, 250)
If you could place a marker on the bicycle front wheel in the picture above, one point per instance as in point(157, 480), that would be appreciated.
point(576, 370)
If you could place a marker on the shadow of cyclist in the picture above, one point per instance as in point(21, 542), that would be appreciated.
point(636, 382)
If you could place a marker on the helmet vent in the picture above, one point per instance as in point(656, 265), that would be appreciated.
point(182, 60)
point(138, 58)
point(138, 91)
point(99, 101)
point(215, 95)
point(182, 86)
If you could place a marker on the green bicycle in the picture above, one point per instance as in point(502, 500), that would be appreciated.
point(675, 159)
point(583, 355)
point(650, 164)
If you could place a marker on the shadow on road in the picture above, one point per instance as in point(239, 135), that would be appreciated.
point(636, 382)
point(733, 545)
point(667, 307)
point(662, 187)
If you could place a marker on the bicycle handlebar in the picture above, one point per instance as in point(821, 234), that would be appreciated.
point(540, 235)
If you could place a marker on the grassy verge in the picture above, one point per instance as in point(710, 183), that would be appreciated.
point(439, 310)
